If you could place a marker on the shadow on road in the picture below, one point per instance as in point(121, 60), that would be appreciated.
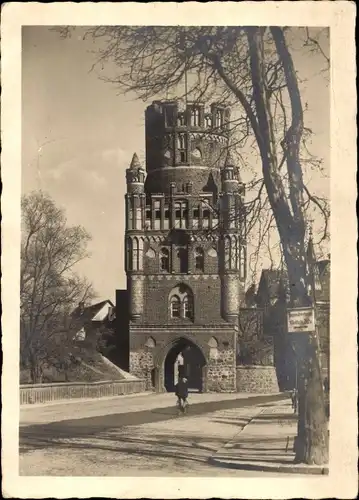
point(127, 450)
point(53, 434)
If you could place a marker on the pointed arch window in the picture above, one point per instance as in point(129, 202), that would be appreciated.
point(180, 120)
point(181, 302)
point(243, 263)
point(137, 254)
point(187, 307)
point(182, 147)
point(138, 220)
point(165, 260)
point(227, 252)
point(199, 259)
point(175, 306)
point(130, 218)
point(195, 117)
point(129, 255)
point(234, 250)
point(219, 118)
point(213, 348)
point(181, 214)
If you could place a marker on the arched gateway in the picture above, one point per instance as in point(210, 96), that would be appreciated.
point(182, 358)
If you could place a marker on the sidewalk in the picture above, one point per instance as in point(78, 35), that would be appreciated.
point(266, 443)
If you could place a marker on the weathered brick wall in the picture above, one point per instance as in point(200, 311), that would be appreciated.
point(257, 379)
point(220, 368)
point(221, 374)
point(152, 257)
point(141, 366)
point(231, 297)
point(136, 294)
point(206, 291)
point(159, 181)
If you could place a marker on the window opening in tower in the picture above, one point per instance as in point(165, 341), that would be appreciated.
point(180, 119)
point(195, 117)
point(166, 222)
point(187, 307)
point(181, 306)
point(219, 119)
point(157, 214)
point(181, 215)
point(136, 256)
point(175, 307)
point(182, 255)
point(205, 219)
point(199, 259)
point(165, 260)
point(195, 219)
point(169, 116)
point(182, 147)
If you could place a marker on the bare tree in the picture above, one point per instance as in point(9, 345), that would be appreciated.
point(252, 69)
point(49, 286)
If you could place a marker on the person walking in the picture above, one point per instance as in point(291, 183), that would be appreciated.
point(181, 391)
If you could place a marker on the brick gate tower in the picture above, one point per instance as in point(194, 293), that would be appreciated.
point(185, 250)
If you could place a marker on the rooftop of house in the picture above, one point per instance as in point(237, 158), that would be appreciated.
point(273, 282)
point(93, 312)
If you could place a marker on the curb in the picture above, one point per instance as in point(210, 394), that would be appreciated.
point(297, 469)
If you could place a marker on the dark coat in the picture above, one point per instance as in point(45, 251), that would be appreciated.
point(181, 389)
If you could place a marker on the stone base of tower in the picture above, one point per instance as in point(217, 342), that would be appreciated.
point(205, 355)
point(257, 379)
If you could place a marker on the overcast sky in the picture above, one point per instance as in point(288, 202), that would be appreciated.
point(79, 135)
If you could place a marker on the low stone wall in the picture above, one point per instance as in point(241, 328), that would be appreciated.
point(43, 393)
point(257, 379)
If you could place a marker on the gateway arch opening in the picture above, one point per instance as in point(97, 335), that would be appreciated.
point(184, 359)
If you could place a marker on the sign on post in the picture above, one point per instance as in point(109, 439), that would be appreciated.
point(301, 319)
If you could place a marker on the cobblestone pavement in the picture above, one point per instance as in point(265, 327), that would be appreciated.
point(174, 446)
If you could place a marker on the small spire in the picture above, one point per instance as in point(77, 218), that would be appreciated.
point(135, 162)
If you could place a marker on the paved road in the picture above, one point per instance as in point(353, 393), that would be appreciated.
point(79, 409)
point(143, 442)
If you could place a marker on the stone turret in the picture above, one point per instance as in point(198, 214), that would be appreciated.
point(231, 245)
point(135, 176)
point(135, 221)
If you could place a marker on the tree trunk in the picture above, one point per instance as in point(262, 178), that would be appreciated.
point(312, 439)
point(312, 446)
point(36, 371)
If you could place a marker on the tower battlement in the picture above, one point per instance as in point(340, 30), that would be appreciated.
point(192, 115)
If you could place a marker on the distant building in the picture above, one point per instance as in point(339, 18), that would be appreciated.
point(86, 320)
point(272, 297)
